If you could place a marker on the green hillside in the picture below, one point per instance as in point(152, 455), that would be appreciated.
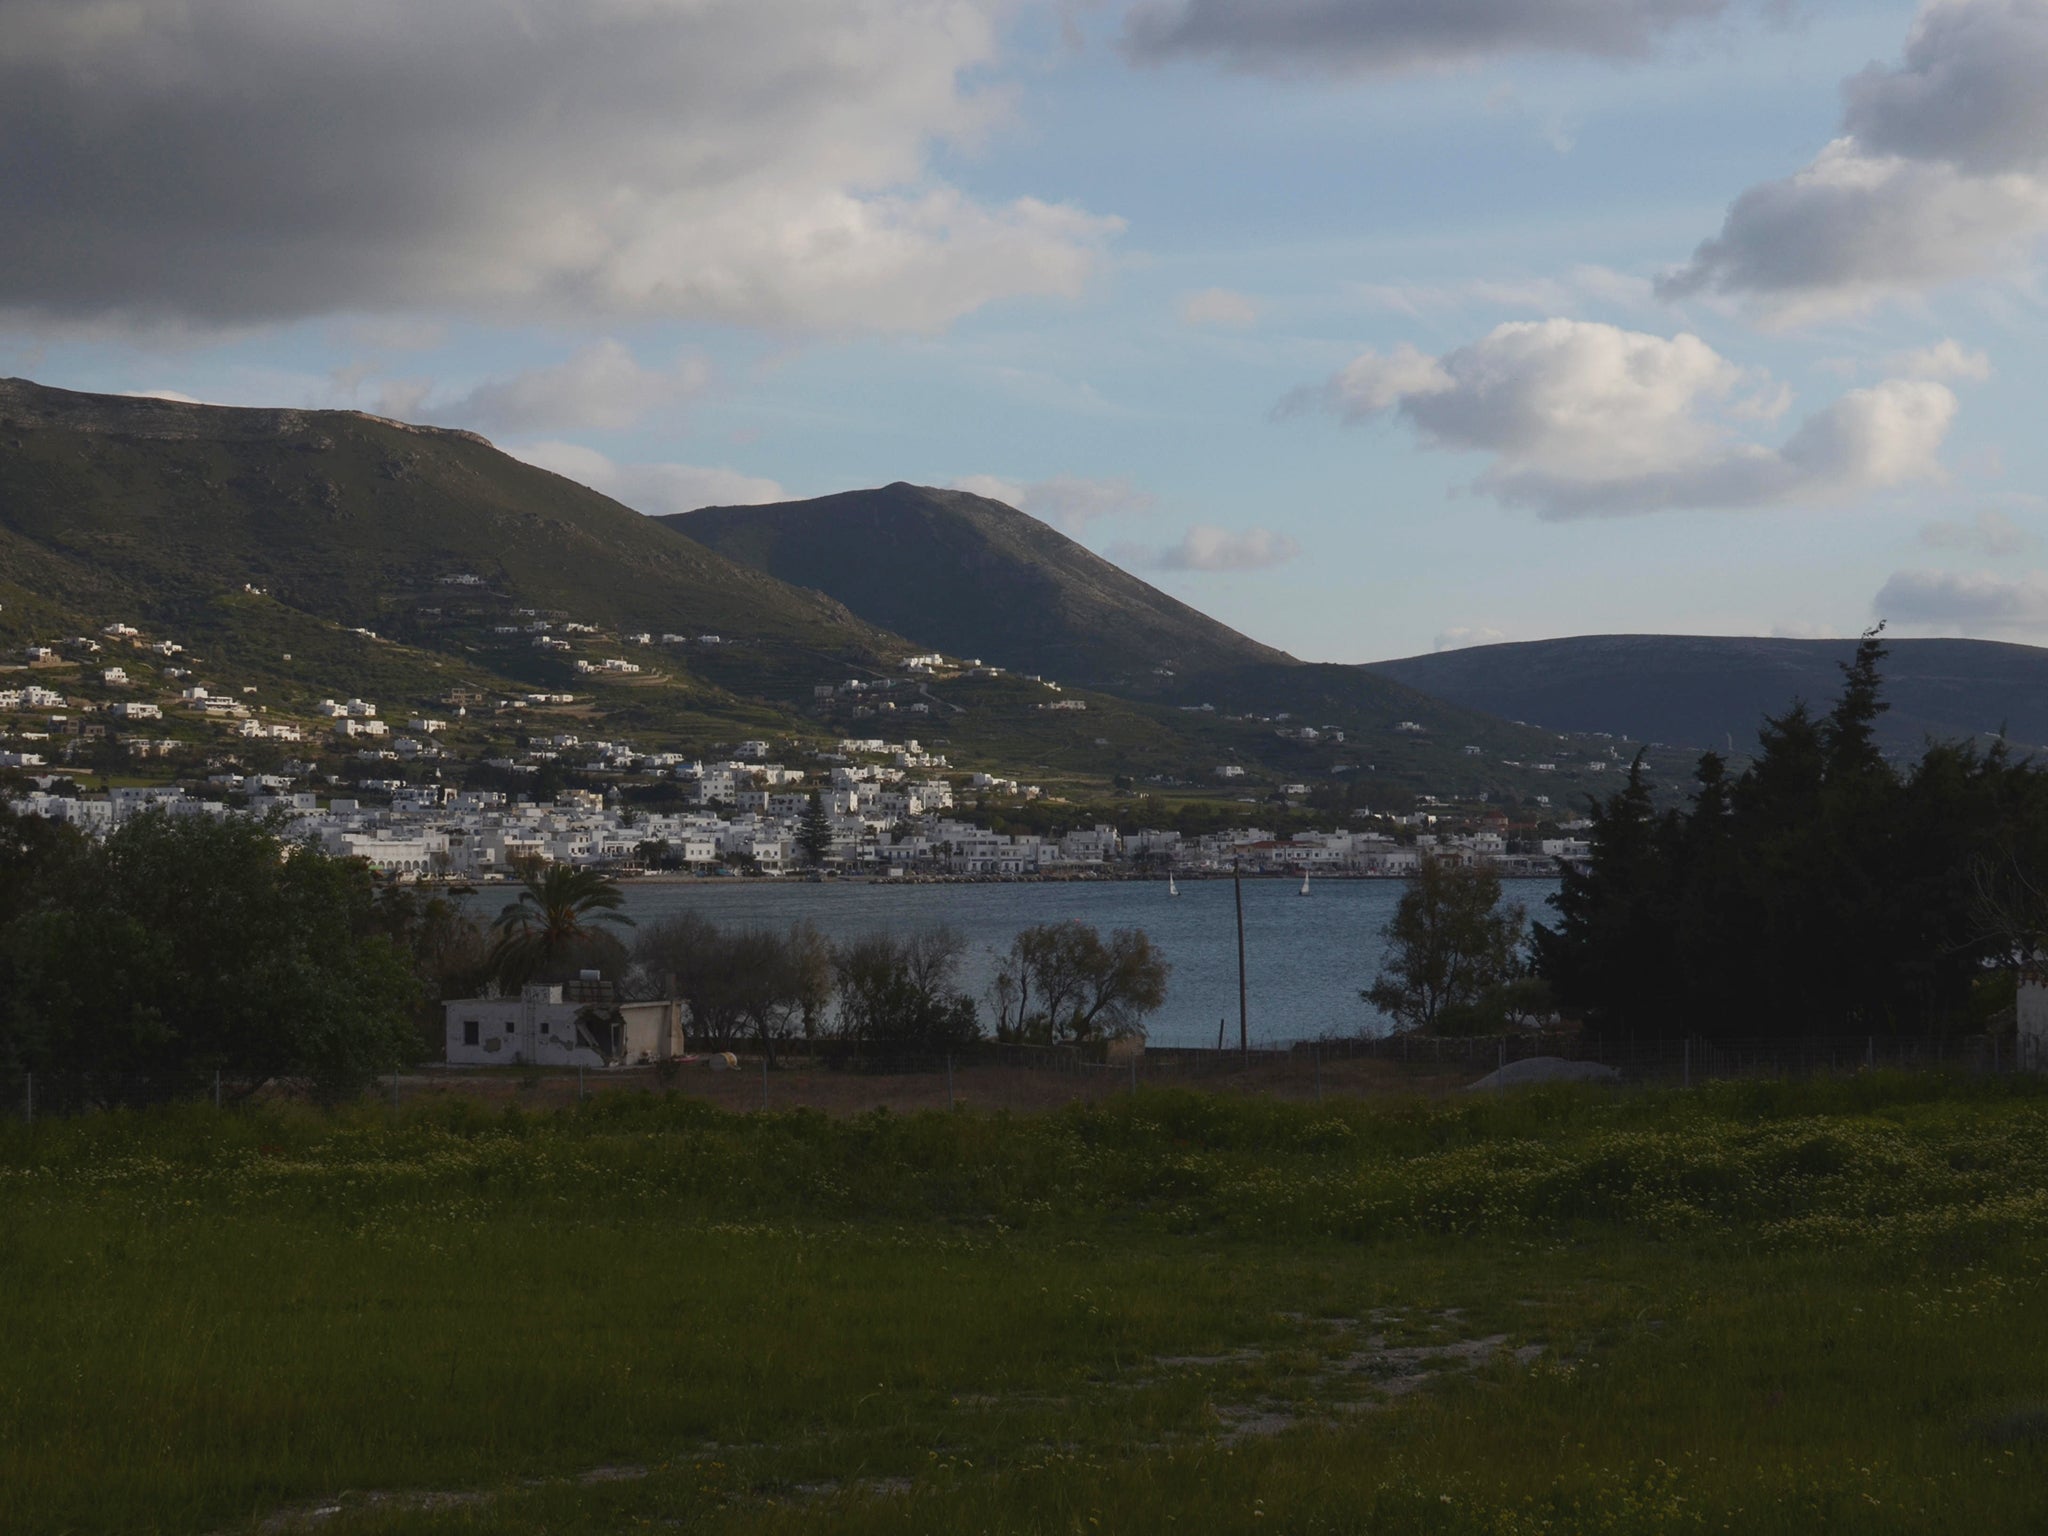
point(107, 501)
point(297, 555)
point(973, 577)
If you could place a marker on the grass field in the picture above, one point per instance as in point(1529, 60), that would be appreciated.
point(1755, 1307)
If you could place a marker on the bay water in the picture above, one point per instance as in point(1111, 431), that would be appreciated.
point(1306, 957)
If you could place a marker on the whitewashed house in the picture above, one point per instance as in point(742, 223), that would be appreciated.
point(572, 1024)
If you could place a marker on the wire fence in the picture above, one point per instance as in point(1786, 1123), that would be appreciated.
point(1024, 1079)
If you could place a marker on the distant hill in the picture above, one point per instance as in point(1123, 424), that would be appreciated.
point(973, 577)
point(107, 501)
point(1709, 690)
point(969, 576)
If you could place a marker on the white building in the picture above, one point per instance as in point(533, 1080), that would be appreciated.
point(572, 1025)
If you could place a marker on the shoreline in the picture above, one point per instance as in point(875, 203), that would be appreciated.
point(932, 879)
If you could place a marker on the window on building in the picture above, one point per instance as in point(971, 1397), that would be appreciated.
point(470, 1029)
point(511, 1028)
point(543, 1029)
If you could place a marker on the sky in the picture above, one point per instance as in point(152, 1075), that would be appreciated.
point(1371, 327)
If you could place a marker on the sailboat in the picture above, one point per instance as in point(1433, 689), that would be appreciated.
point(1304, 884)
point(1171, 888)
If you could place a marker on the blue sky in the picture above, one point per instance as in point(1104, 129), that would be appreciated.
point(1367, 334)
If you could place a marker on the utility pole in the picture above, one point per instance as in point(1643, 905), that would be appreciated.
point(1244, 1039)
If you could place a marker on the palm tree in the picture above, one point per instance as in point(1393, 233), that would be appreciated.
point(557, 917)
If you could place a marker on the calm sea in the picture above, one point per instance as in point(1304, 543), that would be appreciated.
point(1306, 958)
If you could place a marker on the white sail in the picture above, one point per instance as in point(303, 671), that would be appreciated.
point(1304, 882)
point(1171, 888)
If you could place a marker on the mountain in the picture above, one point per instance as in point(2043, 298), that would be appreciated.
point(972, 577)
point(108, 501)
point(1712, 691)
point(969, 576)
point(298, 555)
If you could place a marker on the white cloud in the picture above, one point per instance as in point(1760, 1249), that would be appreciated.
point(1583, 419)
point(1204, 548)
point(1358, 37)
point(1946, 359)
point(1582, 286)
point(1941, 172)
point(602, 387)
point(650, 488)
point(1991, 534)
point(1371, 383)
point(758, 162)
point(1223, 308)
point(1459, 638)
point(1960, 601)
point(1069, 502)
point(176, 396)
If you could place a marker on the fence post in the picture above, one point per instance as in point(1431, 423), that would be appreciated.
point(1316, 1055)
point(949, 1081)
point(216, 1088)
point(29, 1107)
point(1870, 1051)
point(1688, 1062)
point(1500, 1080)
point(579, 1082)
point(764, 1082)
point(1134, 1074)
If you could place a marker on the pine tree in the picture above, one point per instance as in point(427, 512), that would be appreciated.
point(814, 831)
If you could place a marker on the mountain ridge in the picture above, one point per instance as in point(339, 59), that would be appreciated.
point(1712, 691)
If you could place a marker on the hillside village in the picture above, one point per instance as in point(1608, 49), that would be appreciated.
point(400, 792)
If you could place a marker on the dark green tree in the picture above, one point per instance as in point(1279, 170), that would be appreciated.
point(1451, 947)
point(183, 946)
point(814, 831)
point(1821, 892)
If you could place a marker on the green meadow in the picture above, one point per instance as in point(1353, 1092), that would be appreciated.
point(1750, 1308)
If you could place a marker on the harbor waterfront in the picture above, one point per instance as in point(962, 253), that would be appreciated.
point(1306, 957)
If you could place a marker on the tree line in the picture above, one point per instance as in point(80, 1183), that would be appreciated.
point(182, 951)
point(1820, 891)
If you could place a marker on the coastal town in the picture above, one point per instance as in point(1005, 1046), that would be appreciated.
point(395, 793)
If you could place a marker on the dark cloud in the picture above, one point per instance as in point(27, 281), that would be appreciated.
point(758, 161)
point(1938, 174)
point(1367, 36)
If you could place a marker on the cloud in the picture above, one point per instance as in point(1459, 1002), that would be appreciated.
point(1203, 548)
point(1940, 173)
point(1069, 502)
point(1946, 359)
point(1991, 534)
point(1362, 37)
point(1958, 600)
point(1585, 420)
point(757, 162)
point(602, 387)
point(650, 488)
point(1223, 308)
point(1466, 635)
point(1583, 285)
